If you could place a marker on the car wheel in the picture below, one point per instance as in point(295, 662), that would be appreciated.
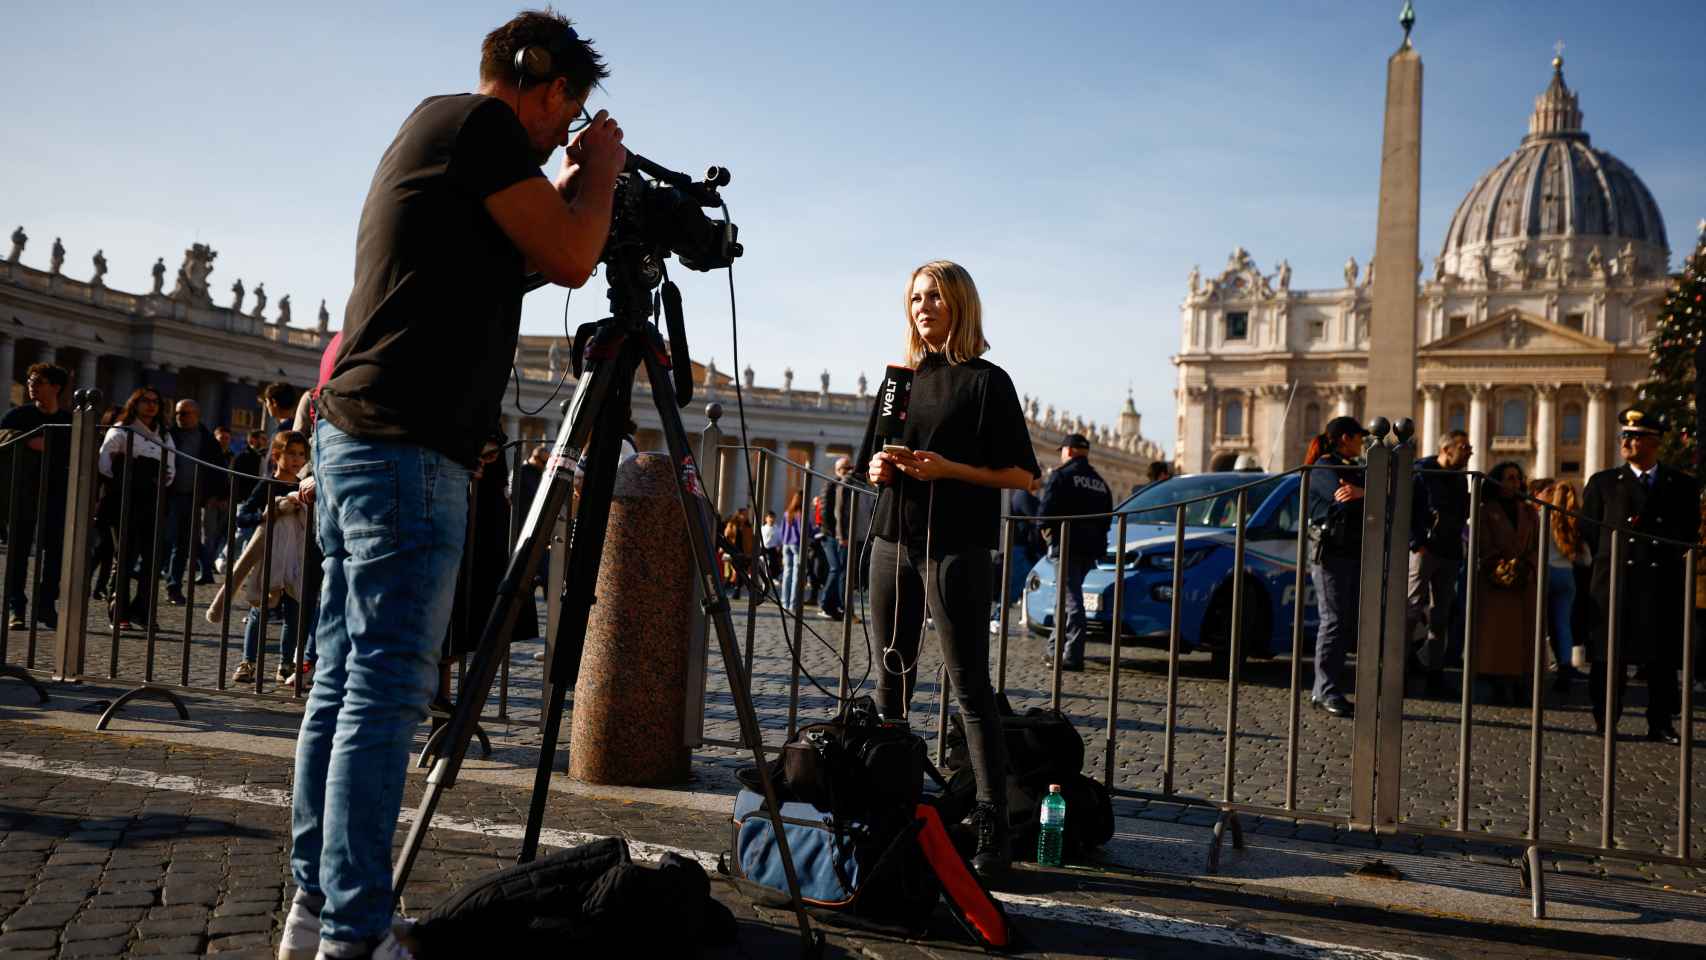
point(1217, 625)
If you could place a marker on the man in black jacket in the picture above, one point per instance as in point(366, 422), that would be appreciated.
point(1436, 556)
point(196, 445)
point(33, 504)
point(1075, 488)
point(1641, 497)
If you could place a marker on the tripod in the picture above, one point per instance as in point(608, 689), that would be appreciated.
point(598, 414)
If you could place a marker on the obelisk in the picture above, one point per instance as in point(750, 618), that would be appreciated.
point(1392, 326)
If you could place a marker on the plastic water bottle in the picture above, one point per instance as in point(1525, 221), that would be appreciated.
point(1051, 838)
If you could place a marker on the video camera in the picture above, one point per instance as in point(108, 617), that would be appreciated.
point(656, 217)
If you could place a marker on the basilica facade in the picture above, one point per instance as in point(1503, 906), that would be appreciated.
point(1533, 323)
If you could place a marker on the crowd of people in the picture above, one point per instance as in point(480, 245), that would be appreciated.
point(159, 477)
point(1530, 530)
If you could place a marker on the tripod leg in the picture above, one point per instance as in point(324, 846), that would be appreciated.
point(513, 590)
point(695, 508)
point(586, 550)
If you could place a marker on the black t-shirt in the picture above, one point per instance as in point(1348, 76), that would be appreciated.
point(969, 413)
point(56, 443)
point(431, 325)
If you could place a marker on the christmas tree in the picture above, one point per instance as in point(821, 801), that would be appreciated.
point(1678, 346)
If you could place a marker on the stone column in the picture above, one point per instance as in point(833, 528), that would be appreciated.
point(210, 395)
point(124, 380)
point(1193, 439)
point(1545, 429)
point(1431, 432)
point(1344, 401)
point(88, 366)
point(1269, 434)
point(1479, 437)
point(1594, 444)
point(8, 364)
point(1392, 321)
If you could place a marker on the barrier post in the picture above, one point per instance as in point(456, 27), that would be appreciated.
point(848, 519)
point(1116, 619)
point(1613, 673)
point(798, 608)
point(79, 509)
point(1395, 637)
point(1061, 564)
point(1006, 577)
point(1685, 759)
point(1173, 650)
point(699, 635)
point(1537, 700)
point(1377, 485)
point(1466, 710)
point(1299, 597)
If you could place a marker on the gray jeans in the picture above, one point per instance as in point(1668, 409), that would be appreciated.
point(1433, 588)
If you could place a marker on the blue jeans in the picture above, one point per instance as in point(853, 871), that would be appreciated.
point(391, 519)
point(833, 585)
point(287, 644)
point(1560, 604)
point(790, 570)
point(180, 537)
point(1072, 571)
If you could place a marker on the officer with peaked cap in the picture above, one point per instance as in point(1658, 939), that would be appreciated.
point(1638, 501)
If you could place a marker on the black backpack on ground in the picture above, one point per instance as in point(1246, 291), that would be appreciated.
point(591, 897)
point(1042, 749)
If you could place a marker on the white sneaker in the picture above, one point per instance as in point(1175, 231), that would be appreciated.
point(301, 940)
point(390, 948)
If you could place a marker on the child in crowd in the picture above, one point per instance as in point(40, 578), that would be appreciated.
point(289, 454)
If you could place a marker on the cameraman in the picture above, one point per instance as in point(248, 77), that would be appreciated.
point(457, 213)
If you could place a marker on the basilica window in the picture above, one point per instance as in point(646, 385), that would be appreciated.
point(1232, 419)
point(1312, 419)
point(1238, 326)
point(1574, 321)
point(1318, 329)
point(1570, 424)
point(1456, 323)
point(1513, 418)
point(1457, 417)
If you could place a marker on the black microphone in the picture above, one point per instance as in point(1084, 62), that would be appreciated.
point(893, 399)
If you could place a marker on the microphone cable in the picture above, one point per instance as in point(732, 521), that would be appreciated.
point(759, 572)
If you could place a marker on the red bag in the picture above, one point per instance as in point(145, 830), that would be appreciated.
point(971, 904)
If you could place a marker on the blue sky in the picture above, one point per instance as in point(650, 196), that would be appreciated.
point(1078, 158)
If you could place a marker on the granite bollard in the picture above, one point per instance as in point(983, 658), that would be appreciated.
point(628, 706)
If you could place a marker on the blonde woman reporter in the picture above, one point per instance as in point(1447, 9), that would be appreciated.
point(935, 524)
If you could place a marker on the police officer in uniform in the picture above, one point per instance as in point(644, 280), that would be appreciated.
point(1335, 525)
point(1075, 488)
point(1644, 497)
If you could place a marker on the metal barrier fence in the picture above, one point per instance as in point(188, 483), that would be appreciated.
point(1381, 661)
point(1377, 795)
point(114, 538)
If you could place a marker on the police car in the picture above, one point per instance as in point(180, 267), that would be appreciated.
point(1205, 605)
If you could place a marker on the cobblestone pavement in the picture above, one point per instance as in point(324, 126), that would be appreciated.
point(119, 846)
point(1646, 773)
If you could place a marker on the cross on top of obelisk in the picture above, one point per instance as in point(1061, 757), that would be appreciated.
point(1407, 19)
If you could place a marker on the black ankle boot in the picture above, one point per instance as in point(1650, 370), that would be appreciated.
point(994, 854)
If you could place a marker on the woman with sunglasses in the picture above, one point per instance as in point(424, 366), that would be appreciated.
point(137, 451)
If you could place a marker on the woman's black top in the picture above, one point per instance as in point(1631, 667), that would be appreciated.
point(969, 413)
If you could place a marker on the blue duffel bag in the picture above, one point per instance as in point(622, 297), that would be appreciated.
point(875, 873)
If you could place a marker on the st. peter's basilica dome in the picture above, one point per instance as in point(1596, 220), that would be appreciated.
point(1556, 206)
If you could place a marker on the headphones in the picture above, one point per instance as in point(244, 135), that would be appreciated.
point(539, 63)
